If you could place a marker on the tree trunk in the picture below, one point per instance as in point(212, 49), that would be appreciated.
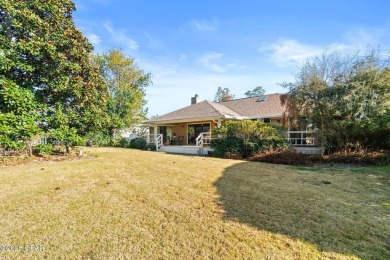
point(29, 147)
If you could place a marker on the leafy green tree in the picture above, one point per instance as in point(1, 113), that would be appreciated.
point(345, 98)
point(246, 137)
point(223, 94)
point(45, 56)
point(257, 91)
point(126, 85)
point(18, 116)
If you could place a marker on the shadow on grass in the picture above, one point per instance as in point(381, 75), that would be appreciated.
point(343, 212)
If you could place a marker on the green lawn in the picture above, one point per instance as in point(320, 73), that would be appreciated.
point(146, 205)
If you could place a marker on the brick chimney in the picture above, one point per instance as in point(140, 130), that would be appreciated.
point(195, 99)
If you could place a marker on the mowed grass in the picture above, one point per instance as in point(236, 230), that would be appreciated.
point(146, 205)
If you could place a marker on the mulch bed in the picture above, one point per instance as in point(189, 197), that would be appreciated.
point(23, 159)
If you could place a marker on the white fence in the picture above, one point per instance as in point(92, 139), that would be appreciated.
point(154, 139)
point(203, 140)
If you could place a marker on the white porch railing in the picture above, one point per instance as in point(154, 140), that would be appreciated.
point(301, 138)
point(154, 139)
point(203, 140)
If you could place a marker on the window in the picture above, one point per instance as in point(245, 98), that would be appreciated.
point(267, 120)
point(195, 130)
point(263, 98)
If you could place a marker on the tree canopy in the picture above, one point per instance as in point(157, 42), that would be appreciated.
point(257, 91)
point(126, 85)
point(223, 94)
point(345, 97)
point(50, 81)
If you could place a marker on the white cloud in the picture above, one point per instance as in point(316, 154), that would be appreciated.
point(363, 37)
point(119, 35)
point(214, 61)
point(209, 62)
point(183, 56)
point(204, 25)
point(290, 52)
point(93, 38)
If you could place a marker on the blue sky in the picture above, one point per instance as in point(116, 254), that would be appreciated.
point(194, 47)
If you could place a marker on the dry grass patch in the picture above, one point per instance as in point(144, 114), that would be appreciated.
point(147, 205)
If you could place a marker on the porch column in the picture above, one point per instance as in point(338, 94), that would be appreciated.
point(155, 130)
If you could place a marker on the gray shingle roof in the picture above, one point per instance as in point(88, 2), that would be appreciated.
point(249, 107)
point(239, 108)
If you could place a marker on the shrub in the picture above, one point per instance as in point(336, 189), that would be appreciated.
point(123, 142)
point(291, 157)
point(285, 156)
point(132, 143)
point(242, 139)
point(138, 143)
point(43, 149)
point(79, 141)
point(151, 147)
point(364, 158)
point(229, 147)
point(102, 139)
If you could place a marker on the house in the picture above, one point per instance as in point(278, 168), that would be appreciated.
point(134, 131)
point(184, 125)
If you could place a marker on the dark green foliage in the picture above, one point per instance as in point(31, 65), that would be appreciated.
point(67, 136)
point(228, 147)
point(132, 143)
point(18, 115)
point(151, 147)
point(138, 143)
point(100, 138)
point(43, 149)
point(243, 138)
point(51, 83)
point(48, 82)
point(123, 142)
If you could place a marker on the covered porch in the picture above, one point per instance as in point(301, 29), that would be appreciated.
point(302, 141)
point(182, 133)
point(200, 147)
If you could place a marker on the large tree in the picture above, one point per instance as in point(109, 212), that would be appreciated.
point(257, 91)
point(45, 57)
point(223, 94)
point(126, 85)
point(345, 97)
